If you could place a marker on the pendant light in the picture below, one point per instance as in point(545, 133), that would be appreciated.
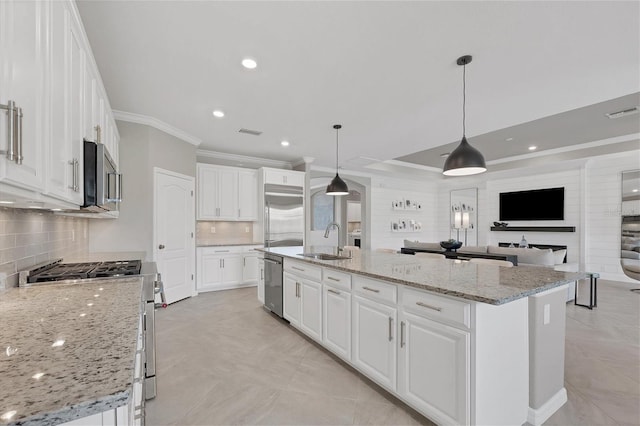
point(337, 185)
point(464, 160)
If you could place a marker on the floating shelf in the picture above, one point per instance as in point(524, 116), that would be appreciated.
point(534, 228)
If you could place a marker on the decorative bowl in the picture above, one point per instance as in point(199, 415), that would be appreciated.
point(451, 245)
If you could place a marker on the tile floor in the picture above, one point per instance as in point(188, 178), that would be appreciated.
point(223, 360)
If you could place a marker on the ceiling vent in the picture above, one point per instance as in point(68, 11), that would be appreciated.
point(250, 132)
point(623, 113)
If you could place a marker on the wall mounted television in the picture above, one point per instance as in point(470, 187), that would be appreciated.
point(537, 204)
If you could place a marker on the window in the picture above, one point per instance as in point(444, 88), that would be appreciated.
point(322, 209)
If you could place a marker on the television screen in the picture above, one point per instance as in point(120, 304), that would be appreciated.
point(538, 204)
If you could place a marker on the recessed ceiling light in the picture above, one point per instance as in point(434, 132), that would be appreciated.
point(249, 63)
point(57, 343)
point(508, 139)
point(445, 155)
point(533, 148)
point(8, 415)
point(217, 113)
point(284, 143)
point(634, 190)
point(37, 376)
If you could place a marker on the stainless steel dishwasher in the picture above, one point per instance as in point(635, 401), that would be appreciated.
point(273, 283)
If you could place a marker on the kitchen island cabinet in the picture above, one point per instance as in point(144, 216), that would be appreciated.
point(449, 338)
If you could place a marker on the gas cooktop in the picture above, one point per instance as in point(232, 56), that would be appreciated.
point(56, 271)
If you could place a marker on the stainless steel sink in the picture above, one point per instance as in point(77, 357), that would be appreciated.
point(324, 256)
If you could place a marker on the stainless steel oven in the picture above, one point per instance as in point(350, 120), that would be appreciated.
point(102, 182)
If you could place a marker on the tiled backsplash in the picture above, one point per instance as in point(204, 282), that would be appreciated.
point(30, 237)
point(225, 233)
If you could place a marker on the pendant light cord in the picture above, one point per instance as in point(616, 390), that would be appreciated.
point(464, 98)
point(337, 162)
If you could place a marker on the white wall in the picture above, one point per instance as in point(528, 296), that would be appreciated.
point(603, 188)
point(141, 149)
point(570, 180)
point(386, 190)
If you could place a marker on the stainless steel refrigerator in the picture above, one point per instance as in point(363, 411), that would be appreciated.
point(283, 216)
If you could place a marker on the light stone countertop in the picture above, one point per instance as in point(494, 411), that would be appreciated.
point(481, 283)
point(230, 245)
point(92, 371)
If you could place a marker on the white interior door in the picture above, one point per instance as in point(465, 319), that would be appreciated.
point(174, 228)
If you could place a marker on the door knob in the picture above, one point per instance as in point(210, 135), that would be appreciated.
point(161, 246)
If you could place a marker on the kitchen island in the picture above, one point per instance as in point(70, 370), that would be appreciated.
point(461, 343)
point(70, 351)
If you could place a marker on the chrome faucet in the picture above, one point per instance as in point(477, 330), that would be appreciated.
point(329, 226)
point(326, 235)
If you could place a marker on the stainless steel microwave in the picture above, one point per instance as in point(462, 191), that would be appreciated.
point(102, 182)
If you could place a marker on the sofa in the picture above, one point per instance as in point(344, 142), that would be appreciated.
point(630, 256)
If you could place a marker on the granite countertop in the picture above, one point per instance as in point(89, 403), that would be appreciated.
point(481, 283)
point(229, 245)
point(68, 349)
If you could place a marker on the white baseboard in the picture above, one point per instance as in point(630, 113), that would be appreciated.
point(537, 416)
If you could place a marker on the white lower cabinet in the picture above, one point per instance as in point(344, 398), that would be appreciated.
point(261, 279)
point(336, 321)
point(374, 345)
point(291, 298)
point(311, 308)
point(302, 299)
point(226, 267)
point(433, 368)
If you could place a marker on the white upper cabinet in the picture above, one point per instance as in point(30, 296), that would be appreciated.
point(247, 195)
point(22, 70)
point(52, 98)
point(283, 177)
point(66, 78)
point(226, 193)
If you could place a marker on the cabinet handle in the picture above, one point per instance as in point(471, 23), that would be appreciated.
point(424, 305)
point(19, 156)
point(297, 289)
point(98, 130)
point(334, 279)
point(221, 251)
point(330, 290)
point(77, 170)
point(390, 329)
point(11, 135)
point(402, 334)
point(73, 174)
point(261, 274)
point(239, 213)
point(371, 289)
point(220, 263)
point(223, 263)
point(244, 262)
point(297, 269)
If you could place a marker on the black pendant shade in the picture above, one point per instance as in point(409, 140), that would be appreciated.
point(464, 160)
point(337, 185)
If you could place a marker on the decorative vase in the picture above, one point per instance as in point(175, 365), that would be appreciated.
point(523, 243)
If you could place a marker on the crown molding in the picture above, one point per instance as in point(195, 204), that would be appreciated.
point(157, 124)
point(243, 159)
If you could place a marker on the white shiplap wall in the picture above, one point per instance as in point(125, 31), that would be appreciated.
point(573, 202)
point(603, 187)
point(383, 192)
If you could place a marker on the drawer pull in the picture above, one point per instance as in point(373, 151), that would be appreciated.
point(334, 279)
point(371, 289)
point(390, 329)
point(333, 291)
point(221, 251)
point(402, 334)
point(424, 305)
point(298, 269)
